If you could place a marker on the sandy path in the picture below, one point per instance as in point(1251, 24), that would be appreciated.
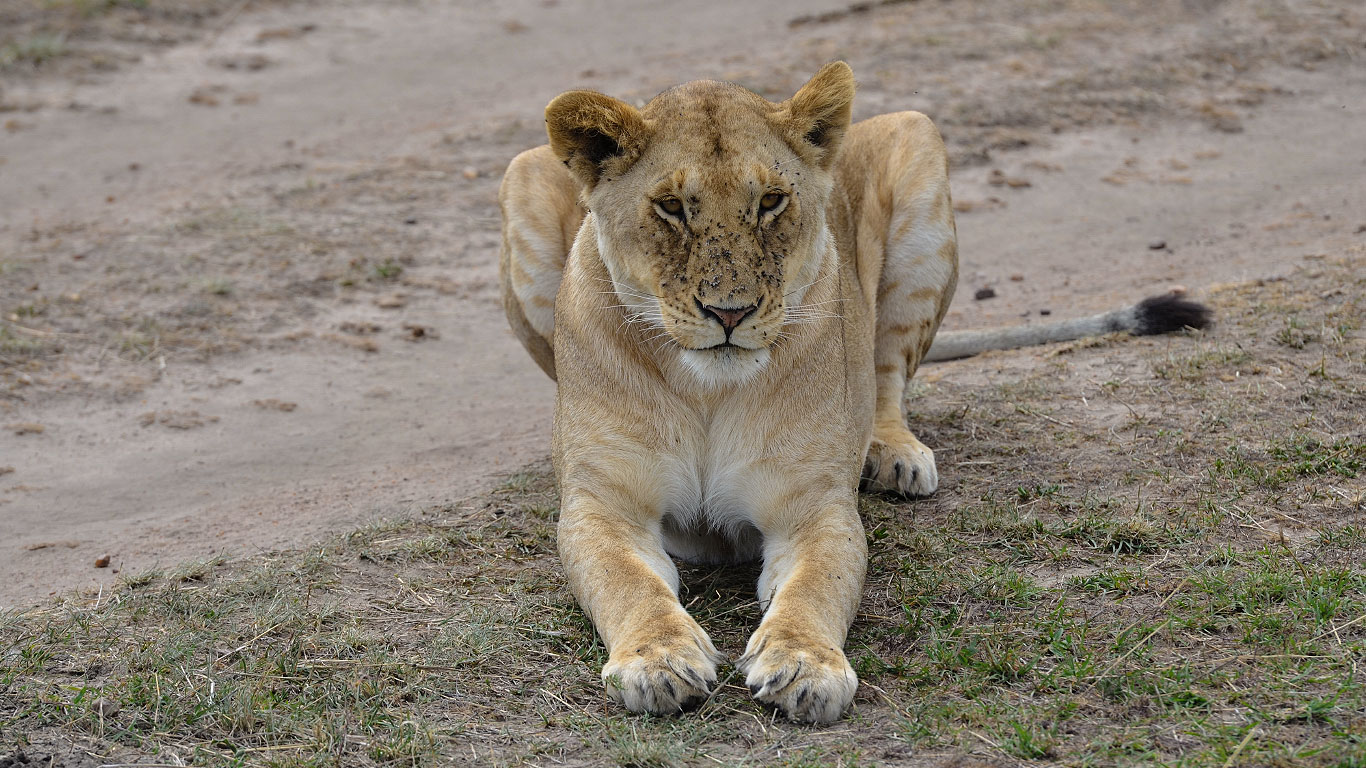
point(1228, 207)
point(361, 83)
point(371, 436)
point(429, 422)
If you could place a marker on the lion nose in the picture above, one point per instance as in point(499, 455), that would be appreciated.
point(729, 318)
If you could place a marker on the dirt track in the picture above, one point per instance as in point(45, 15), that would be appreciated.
point(190, 244)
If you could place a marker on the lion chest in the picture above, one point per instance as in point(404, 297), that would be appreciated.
point(710, 482)
point(724, 479)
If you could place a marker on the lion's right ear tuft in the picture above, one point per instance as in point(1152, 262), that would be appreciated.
point(592, 133)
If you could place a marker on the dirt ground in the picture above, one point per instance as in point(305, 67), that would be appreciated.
point(1145, 552)
point(247, 251)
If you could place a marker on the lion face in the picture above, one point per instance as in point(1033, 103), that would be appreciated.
point(709, 208)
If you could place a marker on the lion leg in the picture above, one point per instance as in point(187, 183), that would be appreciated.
point(659, 659)
point(919, 271)
point(541, 215)
point(810, 587)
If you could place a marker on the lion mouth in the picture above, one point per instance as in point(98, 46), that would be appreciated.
point(725, 363)
point(729, 347)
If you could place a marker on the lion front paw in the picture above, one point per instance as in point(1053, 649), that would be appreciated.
point(899, 463)
point(662, 673)
point(810, 682)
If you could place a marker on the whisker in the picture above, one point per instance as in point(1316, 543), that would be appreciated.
point(810, 315)
point(808, 320)
point(647, 319)
point(618, 289)
point(801, 311)
point(814, 313)
point(827, 276)
point(662, 335)
point(627, 294)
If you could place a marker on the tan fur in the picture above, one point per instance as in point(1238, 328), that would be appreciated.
point(666, 446)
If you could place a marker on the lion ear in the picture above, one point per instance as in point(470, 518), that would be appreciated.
point(814, 120)
point(593, 134)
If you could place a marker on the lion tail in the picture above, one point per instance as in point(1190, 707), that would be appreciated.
point(1156, 314)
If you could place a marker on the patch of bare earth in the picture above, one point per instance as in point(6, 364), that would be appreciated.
point(94, 309)
point(1145, 552)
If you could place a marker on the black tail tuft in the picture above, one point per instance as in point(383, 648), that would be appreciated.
point(1169, 312)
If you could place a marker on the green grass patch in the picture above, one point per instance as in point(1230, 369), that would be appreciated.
point(1140, 592)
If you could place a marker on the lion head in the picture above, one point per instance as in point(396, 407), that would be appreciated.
point(709, 208)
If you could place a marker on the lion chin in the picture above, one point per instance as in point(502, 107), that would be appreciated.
point(726, 365)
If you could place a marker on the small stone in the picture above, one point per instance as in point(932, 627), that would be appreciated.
point(1045, 312)
point(1017, 278)
point(1157, 245)
point(984, 293)
point(415, 332)
point(470, 172)
point(104, 707)
point(102, 562)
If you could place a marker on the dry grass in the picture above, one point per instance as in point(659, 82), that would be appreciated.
point(1146, 552)
point(39, 37)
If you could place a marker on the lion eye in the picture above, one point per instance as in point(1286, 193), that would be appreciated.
point(771, 202)
point(670, 206)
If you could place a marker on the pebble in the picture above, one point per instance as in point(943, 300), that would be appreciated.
point(104, 707)
point(984, 293)
point(1157, 245)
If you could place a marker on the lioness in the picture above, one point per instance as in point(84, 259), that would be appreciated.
point(749, 287)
